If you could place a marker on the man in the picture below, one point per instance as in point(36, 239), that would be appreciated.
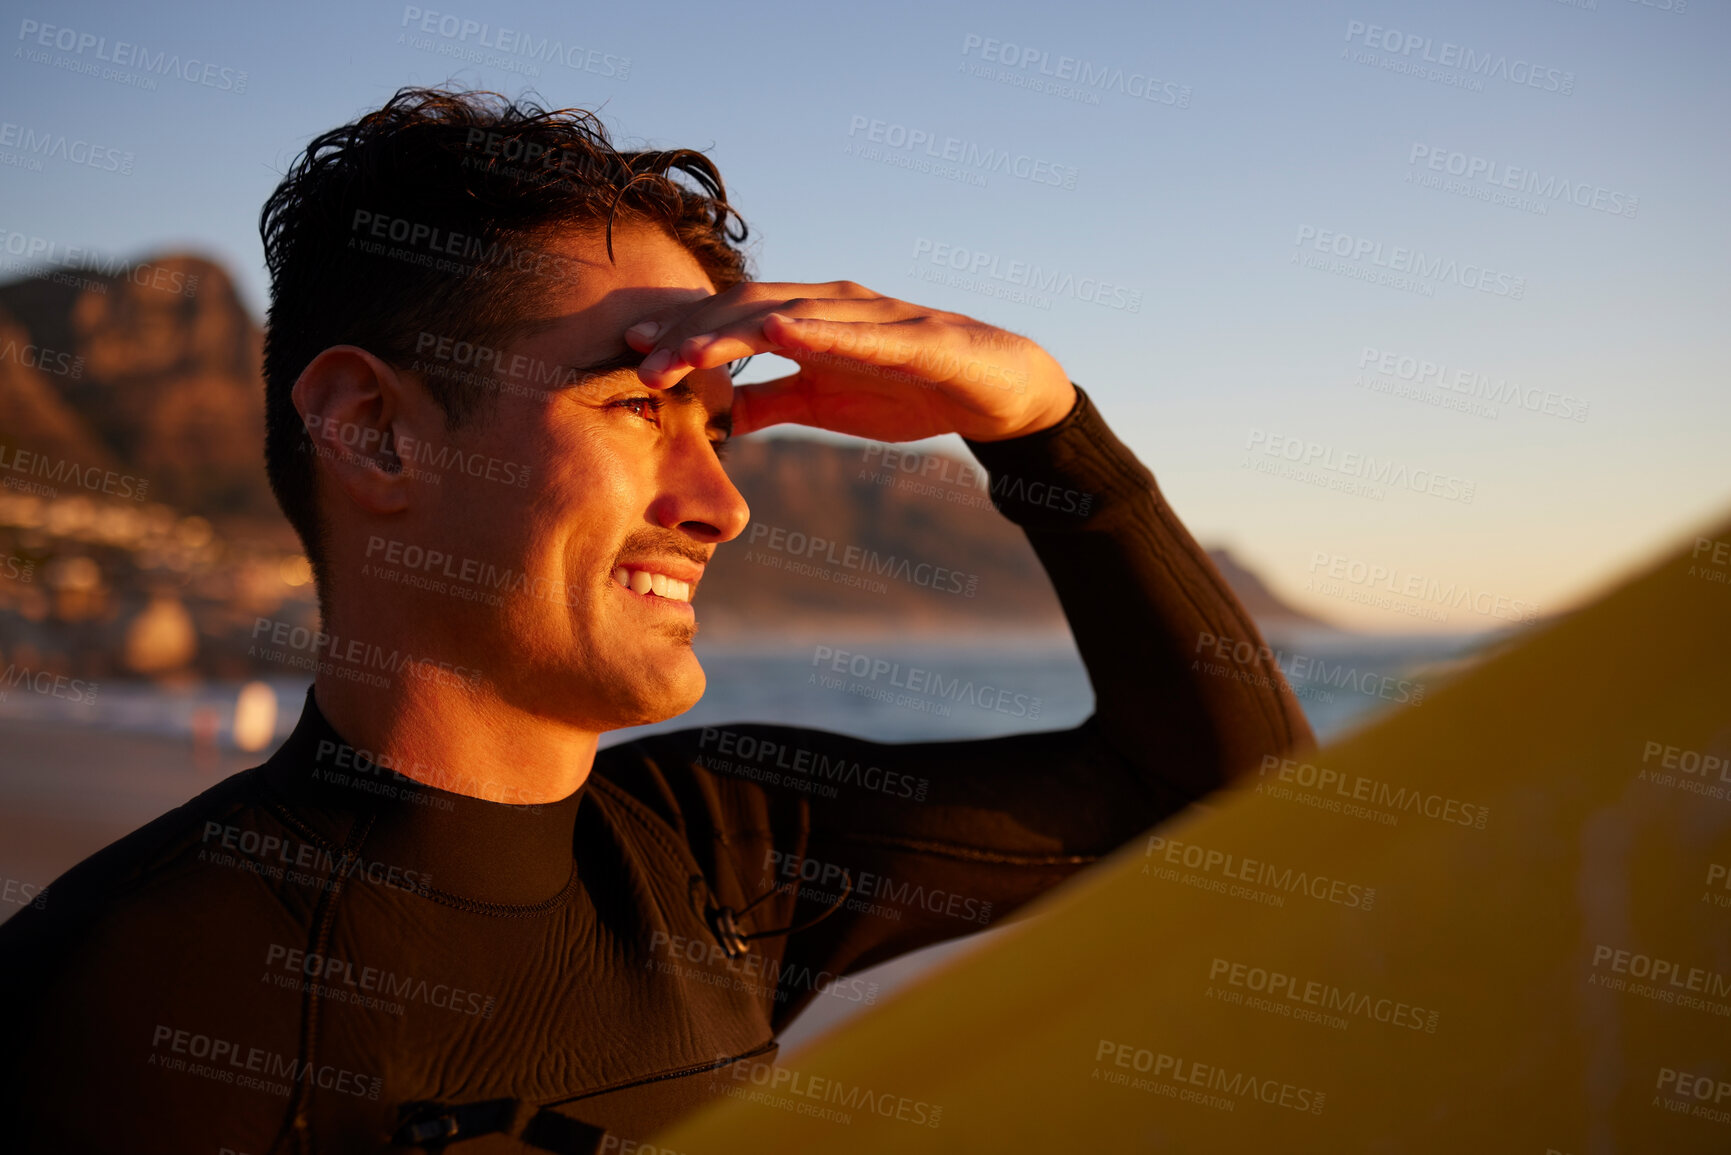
point(437, 915)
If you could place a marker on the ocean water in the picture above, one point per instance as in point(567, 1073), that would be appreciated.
point(889, 691)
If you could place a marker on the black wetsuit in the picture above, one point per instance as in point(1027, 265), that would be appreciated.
point(318, 954)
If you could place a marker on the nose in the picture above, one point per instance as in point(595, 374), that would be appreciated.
point(697, 497)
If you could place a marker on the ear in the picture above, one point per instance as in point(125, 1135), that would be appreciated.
point(355, 407)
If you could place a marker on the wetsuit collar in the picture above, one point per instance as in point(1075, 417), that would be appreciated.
point(458, 846)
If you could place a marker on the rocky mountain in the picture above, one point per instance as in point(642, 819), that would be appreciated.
point(157, 364)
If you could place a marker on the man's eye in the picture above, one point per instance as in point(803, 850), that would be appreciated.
point(721, 448)
point(642, 406)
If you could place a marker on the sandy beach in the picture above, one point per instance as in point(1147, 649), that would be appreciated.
point(67, 791)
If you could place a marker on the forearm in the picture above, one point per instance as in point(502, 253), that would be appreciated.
point(1143, 601)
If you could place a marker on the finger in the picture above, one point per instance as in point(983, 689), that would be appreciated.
point(672, 327)
point(911, 344)
point(643, 334)
point(744, 336)
point(747, 297)
point(667, 366)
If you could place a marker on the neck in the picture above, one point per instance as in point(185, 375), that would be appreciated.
point(446, 733)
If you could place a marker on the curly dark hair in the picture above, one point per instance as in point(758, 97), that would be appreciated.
point(462, 184)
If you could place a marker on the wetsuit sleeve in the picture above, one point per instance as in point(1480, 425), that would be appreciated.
point(930, 840)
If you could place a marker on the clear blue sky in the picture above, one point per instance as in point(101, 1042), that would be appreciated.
point(1274, 128)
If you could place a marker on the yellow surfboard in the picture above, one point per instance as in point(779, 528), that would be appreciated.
point(1499, 921)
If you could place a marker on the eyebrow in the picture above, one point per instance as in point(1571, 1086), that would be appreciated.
point(681, 393)
point(625, 359)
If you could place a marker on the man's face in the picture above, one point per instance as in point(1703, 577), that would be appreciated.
point(619, 477)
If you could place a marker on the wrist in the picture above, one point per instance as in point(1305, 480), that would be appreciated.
point(1061, 405)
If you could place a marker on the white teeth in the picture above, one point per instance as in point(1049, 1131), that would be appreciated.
point(661, 585)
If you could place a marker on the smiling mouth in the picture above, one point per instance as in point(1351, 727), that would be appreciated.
point(652, 584)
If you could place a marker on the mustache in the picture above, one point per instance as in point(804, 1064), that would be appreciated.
point(652, 544)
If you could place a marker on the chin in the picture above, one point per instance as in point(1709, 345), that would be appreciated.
point(668, 699)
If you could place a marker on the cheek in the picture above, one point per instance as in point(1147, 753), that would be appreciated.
point(594, 492)
point(592, 470)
